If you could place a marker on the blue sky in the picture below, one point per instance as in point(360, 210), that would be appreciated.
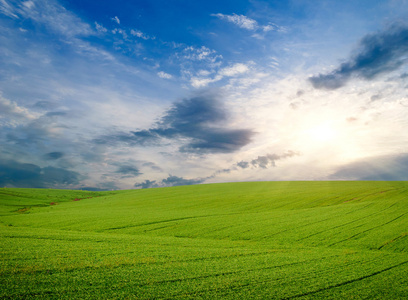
point(138, 94)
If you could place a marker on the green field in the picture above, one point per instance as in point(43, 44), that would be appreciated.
point(259, 240)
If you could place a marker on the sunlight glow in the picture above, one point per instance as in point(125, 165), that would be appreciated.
point(323, 133)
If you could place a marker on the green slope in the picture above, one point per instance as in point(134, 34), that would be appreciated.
point(274, 240)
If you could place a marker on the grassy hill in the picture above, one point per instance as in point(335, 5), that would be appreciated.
point(258, 240)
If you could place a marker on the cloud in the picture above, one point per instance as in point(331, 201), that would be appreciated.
point(7, 10)
point(147, 184)
point(44, 105)
point(121, 32)
point(115, 19)
point(233, 70)
point(13, 114)
point(230, 71)
point(194, 120)
point(243, 164)
point(38, 132)
point(171, 180)
point(102, 186)
point(391, 167)
point(53, 155)
point(378, 53)
point(141, 35)
point(265, 161)
point(177, 181)
point(100, 28)
point(128, 170)
point(54, 17)
point(23, 175)
point(153, 166)
point(250, 24)
point(239, 20)
point(200, 54)
point(164, 75)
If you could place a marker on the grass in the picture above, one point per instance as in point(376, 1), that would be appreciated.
point(259, 240)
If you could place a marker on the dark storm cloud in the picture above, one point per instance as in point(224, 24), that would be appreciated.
point(53, 155)
point(378, 53)
point(202, 120)
point(147, 184)
point(377, 168)
point(176, 181)
point(128, 170)
point(15, 174)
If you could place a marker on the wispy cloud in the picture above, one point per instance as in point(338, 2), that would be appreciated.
point(115, 19)
point(55, 17)
point(239, 20)
point(247, 23)
point(7, 9)
point(12, 114)
point(378, 53)
point(100, 28)
point(141, 34)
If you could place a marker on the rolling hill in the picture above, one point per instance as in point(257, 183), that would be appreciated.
point(254, 240)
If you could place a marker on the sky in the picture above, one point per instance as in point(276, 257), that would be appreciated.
point(104, 95)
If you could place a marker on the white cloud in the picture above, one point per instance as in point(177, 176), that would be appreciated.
point(250, 24)
point(231, 71)
point(141, 35)
point(29, 4)
point(239, 20)
point(120, 31)
point(7, 9)
point(115, 19)
point(234, 70)
point(200, 54)
point(100, 28)
point(55, 17)
point(204, 73)
point(268, 28)
point(69, 27)
point(200, 82)
point(12, 114)
point(275, 27)
point(164, 75)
